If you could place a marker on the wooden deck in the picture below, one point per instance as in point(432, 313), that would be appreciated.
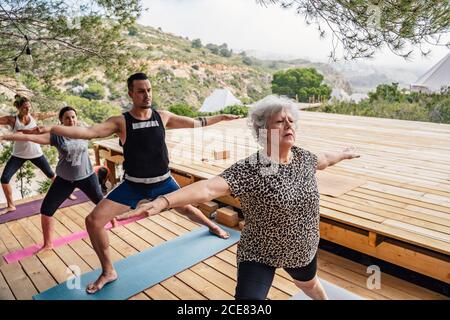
point(213, 278)
point(402, 213)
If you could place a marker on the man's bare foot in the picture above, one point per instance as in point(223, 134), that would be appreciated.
point(218, 231)
point(46, 247)
point(8, 209)
point(73, 197)
point(103, 280)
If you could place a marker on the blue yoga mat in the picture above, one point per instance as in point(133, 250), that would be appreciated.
point(333, 291)
point(147, 268)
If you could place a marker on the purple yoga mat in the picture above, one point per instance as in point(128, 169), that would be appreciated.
point(34, 207)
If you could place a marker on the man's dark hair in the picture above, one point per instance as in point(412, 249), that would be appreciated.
point(136, 76)
point(64, 110)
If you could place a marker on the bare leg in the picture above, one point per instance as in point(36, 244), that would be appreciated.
point(9, 198)
point(196, 215)
point(312, 288)
point(105, 211)
point(48, 227)
point(73, 197)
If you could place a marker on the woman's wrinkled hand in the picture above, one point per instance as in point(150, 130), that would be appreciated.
point(350, 153)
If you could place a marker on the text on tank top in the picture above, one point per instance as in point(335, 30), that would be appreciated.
point(145, 150)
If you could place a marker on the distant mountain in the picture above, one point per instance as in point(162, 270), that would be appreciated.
point(359, 76)
point(266, 55)
point(364, 77)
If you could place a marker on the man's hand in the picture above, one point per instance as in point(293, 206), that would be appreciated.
point(228, 117)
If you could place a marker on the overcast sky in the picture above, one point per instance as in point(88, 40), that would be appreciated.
point(245, 25)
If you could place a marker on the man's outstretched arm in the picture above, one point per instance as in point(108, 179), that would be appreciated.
point(101, 130)
point(173, 121)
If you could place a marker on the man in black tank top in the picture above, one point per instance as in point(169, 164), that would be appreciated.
point(146, 165)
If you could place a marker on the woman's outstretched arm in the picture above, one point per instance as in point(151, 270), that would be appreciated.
point(331, 158)
point(37, 138)
point(198, 192)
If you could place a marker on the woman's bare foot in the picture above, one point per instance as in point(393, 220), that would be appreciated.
point(46, 247)
point(103, 280)
point(218, 231)
point(114, 223)
point(73, 197)
point(7, 209)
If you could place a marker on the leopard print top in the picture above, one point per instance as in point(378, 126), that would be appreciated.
point(281, 208)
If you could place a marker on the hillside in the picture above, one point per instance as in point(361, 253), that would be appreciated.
point(183, 74)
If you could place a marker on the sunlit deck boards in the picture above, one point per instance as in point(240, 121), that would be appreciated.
point(402, 213)
point(214, 278)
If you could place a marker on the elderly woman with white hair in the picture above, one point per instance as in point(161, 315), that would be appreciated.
point(279, 198)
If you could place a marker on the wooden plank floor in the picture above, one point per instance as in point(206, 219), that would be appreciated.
point(406, 197)
point(213, 278)
point(405, 164)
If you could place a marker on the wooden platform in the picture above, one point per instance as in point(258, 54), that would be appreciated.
point(213, 278)
point(402, 213)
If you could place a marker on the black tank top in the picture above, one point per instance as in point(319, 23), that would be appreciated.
point(145, 150)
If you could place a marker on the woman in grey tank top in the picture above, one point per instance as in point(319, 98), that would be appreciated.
point(74, 170)
point(23, 151)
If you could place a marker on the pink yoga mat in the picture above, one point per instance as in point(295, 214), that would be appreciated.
point(31, 250)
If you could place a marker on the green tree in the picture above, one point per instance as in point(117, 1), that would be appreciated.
point(236, 110)
point(388, 102)
point(63, 37)
point(183, 110)
point(363, 27)
point(213, 48)
point(92, 111)
point(132, 31)
point(387, 92)
point(301, 83)
point(95, 91)
point(196, 43)
point(51, 154)
point(247, 60)
point(224, 51)
point(44, 186)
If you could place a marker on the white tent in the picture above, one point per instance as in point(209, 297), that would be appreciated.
point(338, 94)
point(358, 97)
point(436, 79)
point(219, 100)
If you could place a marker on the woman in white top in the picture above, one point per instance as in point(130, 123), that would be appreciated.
point(23, 150)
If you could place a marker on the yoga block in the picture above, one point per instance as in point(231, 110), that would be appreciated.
point(208, 207)
point(241, 224)
point(227, 216)
point(218, 155)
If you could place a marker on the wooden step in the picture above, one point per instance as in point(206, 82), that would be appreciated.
point(227, 216)
point(208, 208)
